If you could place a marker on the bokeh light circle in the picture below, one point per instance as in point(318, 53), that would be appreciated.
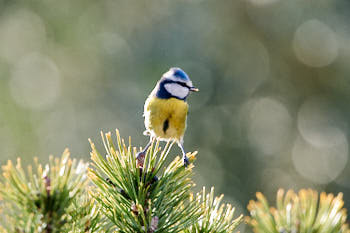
point(35, 82)
point(315, 44)
point(21, 32)
point(319, 123)
point(269, 126)
point(320, 164)
point(249, 67)
point(321, 151)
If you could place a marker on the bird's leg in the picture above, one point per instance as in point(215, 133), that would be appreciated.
point(184, 157)
point(140, 157)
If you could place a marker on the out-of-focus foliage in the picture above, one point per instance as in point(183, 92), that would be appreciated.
point(303, 212)
point(273, 107)
point(87, 216)
point(45, 199)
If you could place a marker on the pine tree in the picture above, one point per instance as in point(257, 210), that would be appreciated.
point(119, 196)
point(44, 199)
point(304, 212)
point(154, 197)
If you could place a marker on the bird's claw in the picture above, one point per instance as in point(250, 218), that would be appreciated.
point(140, 158)
point(186, 161)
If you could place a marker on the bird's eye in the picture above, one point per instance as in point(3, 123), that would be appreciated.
point(183, 84)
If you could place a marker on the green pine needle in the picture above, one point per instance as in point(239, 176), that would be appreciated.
point(126, 198)
point(304, 212)
point(40, 200)
point(87, 216)
point(133, 198)
point(215, 218)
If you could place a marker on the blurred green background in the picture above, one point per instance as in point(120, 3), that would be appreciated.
point(274, 79)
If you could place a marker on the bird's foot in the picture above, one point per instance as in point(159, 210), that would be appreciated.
point(186, 161)
point(140, 158)
point(110, 182)
point(121, 191)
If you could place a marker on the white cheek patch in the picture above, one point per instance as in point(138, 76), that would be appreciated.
point(177, 90)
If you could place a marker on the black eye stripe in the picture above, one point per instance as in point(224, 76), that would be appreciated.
point(182, 84)
point(177, 82)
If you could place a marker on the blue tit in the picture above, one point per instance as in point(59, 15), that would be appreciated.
point(165, 110)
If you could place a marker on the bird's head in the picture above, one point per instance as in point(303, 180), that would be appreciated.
point(175, 83)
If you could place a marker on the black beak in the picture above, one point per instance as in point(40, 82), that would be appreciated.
point(194, 89)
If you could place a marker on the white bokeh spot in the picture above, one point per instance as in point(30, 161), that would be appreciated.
point(269, 126)
point(21, 32)
point(320, 164)
point(319, 123)
point(315, 44)
point(35, 82)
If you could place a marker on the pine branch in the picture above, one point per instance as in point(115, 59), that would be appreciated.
point(125, 198)
point(155, 198)
point(299, 213)
point(40, 200)
point(215, 217)
point(87, 217)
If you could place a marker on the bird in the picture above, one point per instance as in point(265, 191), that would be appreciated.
point(165, 110)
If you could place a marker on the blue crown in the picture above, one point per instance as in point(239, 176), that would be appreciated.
point(180, 74)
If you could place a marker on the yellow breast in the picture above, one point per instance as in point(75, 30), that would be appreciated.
point(166, 118)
